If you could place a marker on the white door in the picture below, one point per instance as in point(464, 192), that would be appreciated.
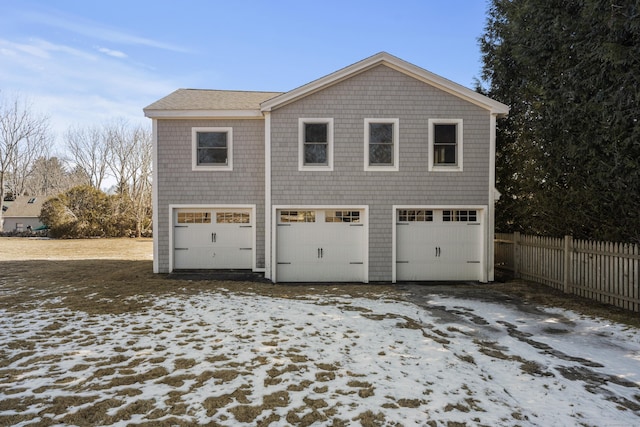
point(212, 239)
point(315, 245)
point(442, 244)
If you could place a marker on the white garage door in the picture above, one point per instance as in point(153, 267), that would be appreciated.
point(441, 244)
point(315, 245)
point(212, 239)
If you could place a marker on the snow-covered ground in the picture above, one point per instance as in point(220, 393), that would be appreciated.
point(244, 359)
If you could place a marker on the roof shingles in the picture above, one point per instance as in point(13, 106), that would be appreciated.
point(201, 99)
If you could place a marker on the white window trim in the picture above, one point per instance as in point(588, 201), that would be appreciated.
point(301, 166)
point(396, 145)
point(194, 149)
point(459, 145)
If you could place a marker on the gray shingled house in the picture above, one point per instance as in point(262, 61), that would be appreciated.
point(380, 171)
point(21, 213)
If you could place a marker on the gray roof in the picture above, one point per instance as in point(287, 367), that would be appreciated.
point(21, 208)
point(200, 99)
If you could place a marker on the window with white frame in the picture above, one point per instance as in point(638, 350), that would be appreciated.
point(445, 144)
point(315, 144)
point(382, 146)
point(212, 148)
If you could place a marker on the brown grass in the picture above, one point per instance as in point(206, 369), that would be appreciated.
point(92, 274)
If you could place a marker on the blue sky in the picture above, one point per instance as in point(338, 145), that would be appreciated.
point(87, 62)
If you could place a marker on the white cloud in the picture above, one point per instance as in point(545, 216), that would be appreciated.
point(111, 52)
point(94, 30)
point(78, 87)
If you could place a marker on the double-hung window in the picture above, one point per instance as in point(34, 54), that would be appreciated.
point(212, 148)
point(381, 149)
point(315, 144)
point(445, 144)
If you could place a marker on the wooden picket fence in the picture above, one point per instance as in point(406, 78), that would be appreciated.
point(602, 271)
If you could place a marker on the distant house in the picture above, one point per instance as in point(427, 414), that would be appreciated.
point(22, 213)
point(380, 171)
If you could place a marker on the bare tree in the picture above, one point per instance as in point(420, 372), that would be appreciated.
point(23, 134)
point(89, 151)
point(49, 177)
point(130, 165)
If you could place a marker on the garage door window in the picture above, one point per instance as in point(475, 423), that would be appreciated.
point(297, 216)
point(413, 215)
point(459, 216)
point(232, 218)
point(342, 216)
point(194, 217)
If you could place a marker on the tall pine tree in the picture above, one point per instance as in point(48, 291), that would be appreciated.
point(568, 155)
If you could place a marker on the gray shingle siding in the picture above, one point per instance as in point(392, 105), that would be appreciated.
point(379, 87)
point(380, 92)
point(179, 184)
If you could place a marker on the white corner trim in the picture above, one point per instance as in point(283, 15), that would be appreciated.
point(154, 195)
point(267, 196)
point(494, 195)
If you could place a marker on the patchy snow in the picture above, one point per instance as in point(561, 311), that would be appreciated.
point(236, 359)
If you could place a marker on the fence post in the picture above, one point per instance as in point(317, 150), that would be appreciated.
point(516, 254)
point(568, 263)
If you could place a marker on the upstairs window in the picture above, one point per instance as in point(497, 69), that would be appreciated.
point(445, 144)
point(381, 144)
point(212, 148)
point(315, 144)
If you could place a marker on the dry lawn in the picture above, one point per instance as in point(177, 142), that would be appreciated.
point(108, 268)
point(85, 272)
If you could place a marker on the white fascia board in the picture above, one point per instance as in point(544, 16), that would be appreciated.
point(203, 114)
point(448, 86)
point(397, 64)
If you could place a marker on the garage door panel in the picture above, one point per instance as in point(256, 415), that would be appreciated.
point(439, 249)
point(320, 251)
point(320, 272)
point(193, 258)
point(221, 240)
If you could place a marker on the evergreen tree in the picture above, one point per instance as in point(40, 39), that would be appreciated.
point(568, 155)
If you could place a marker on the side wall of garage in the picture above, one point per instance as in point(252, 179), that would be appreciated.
point(179, 185)
point(380, 93)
